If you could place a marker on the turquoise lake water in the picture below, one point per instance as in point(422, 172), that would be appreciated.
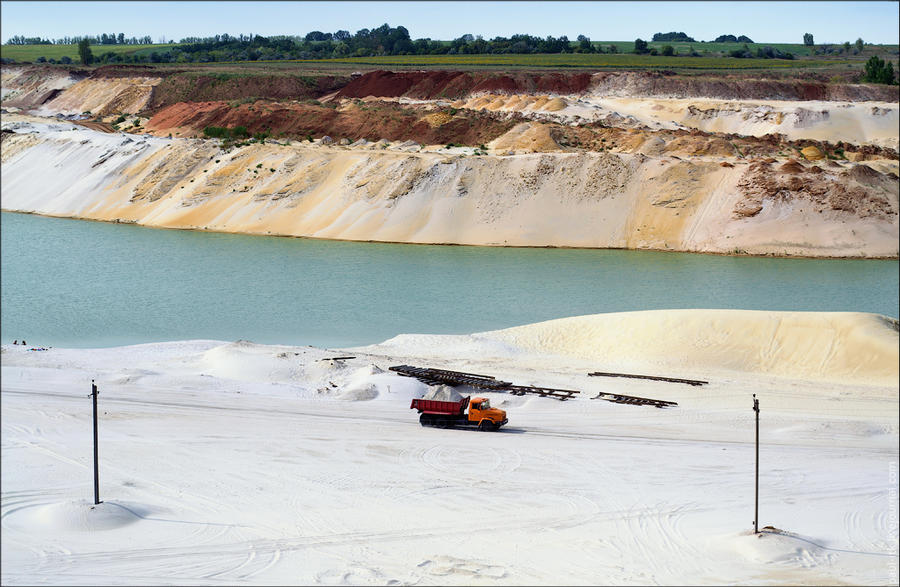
point(74, 283)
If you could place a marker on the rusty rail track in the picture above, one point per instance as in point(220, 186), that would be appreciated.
point(454, 378)
point(634, 400)
point(651, 377)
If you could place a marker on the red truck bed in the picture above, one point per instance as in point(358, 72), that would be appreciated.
point(433, 406)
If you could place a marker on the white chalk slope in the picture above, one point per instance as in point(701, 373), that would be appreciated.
point(241, 463)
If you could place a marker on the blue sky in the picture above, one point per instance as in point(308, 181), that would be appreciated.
point(764, 22)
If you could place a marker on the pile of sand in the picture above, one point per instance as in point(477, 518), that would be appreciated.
point(527, 137)
point(437, 119)
point(555, 104)
point(443, 393)
point(812, 153)
point(849, 347)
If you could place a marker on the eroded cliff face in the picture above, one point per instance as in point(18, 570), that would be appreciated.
point(466, 158)
point(582, 199)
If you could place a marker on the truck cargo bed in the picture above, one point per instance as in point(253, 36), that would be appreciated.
point(446, 408)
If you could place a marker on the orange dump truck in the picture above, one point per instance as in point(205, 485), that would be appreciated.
point(444, 414)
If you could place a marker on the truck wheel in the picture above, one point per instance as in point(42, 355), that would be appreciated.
point(486, 426)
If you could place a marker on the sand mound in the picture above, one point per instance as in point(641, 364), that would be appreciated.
point(812, 153)
point(792, 166)
point(529, 137)
point(863, 173)
point(774, 546)
point(76, 516)
point(443, 393)
point(555, 104)
point(437, 119)
point(837, 346)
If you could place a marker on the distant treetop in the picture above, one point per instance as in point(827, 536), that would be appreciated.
point(733, 39)
point(664, 37)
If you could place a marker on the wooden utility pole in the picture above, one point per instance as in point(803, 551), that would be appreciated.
point(94, 393)
point(756, 504)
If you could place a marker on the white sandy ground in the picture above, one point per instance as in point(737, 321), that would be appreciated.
point(594, 200)
point(240, 463)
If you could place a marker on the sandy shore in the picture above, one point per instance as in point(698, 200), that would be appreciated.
point(242, 463)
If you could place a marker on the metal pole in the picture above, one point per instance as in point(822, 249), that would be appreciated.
point(756, 504)
point(94, 393)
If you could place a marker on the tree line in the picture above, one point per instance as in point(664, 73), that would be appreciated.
point(101, 39)
point(383, 40)
point(386, 40)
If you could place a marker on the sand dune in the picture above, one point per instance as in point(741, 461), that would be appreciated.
point(846, 347)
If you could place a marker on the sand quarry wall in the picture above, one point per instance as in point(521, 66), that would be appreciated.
point(544, 199)
point(455, 84)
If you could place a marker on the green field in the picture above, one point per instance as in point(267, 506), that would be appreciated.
point(22, 53)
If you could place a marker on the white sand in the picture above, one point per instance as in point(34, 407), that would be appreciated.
point(240, 463)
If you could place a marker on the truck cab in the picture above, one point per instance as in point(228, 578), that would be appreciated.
point(482, 414)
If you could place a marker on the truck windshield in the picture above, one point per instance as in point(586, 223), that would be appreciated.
point(485, 405)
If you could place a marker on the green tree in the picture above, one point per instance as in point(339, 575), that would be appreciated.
point(808, 39)
point(860, 44)
point(877, 71)
point(84, 51)
point(640, 46)
point(668, 50)
point(584, 45)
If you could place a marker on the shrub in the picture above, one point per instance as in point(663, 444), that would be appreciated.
point(877, 71)
point(668, 50)
point(216, 132)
